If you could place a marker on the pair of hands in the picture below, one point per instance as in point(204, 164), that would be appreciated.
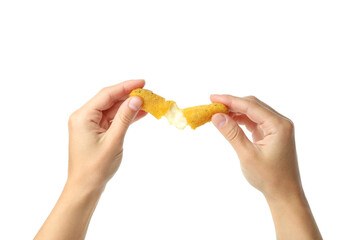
point(97, 132)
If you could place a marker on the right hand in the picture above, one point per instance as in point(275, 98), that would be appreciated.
point(269, 162)
point(97, 131)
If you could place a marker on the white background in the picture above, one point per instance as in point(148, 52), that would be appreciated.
point(300, 57)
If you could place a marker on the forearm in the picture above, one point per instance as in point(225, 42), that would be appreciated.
point(71, 215)
point(293, 218)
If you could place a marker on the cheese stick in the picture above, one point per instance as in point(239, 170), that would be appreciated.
point(180, 118)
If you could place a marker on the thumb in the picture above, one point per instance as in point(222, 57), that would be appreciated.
point(123, 118)
point(232, 132)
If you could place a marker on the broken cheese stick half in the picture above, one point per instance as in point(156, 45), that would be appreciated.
point(180, 118)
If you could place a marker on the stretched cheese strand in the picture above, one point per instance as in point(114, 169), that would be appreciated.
point(180, 118)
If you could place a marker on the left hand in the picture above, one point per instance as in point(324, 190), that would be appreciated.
point(96, 134)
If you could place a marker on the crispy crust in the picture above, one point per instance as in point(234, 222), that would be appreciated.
point(199, 115)
point(152, 103)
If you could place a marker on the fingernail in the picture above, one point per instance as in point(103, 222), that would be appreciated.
point(219, 120)
point(135, 103)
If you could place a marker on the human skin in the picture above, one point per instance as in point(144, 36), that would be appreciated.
point(96, 136)
point(269, 162)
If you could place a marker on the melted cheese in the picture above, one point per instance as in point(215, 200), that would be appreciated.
point(176, 117)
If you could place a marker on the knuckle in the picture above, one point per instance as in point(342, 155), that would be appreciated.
point(103, 90)
point(71, 118)
point(125, 118)
point(252, 97)
point(290, 124)
point(233, 134)
point(253, 104)
point(74, 119)
point(287, 125)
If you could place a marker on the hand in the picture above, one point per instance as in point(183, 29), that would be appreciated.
point(269, 163)
point(96, 134)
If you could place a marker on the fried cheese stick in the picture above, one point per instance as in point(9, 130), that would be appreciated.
point(193, 116)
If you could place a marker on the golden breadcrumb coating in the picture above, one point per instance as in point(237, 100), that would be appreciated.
point(199, 115)
point(152, 103)
point(195, 116)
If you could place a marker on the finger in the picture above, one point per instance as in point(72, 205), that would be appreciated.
point(139, 116)
point(263, 104)
point(244, 120)
point(256, 112)
point(108, 96)
point(109, 115)
point(232, 132)
point(123, 118)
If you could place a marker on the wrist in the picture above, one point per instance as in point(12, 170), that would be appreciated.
point(72, 213)
point(292, 217)
point(82, 192)
point(295, 199)
point(285, 193)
